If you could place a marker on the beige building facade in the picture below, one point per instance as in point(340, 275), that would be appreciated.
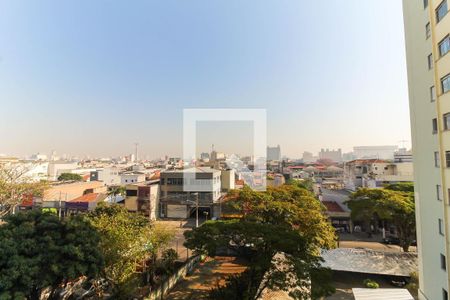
point(427, 28)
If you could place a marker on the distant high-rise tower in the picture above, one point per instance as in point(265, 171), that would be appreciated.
point(274, 153)
point(136, 145)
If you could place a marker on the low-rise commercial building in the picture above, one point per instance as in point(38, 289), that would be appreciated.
point(127, 178)
point(143, 198)
point(84, 203)
point(182, 189)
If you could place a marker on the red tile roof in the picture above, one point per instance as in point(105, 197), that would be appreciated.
point(239, 182)
point(332, 206)
point(91, 197)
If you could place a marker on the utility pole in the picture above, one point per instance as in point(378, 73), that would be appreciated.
point(196, 210)
point(59, 206)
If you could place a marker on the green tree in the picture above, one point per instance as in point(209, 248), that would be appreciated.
point(117, 190)
point(70, 177)
point(407, 187)
point(307, 184)
point(389, 205)
point(260, 242)
point(290, 206)
point(38, 251)
point(286, 219)
point(127, 240)
point(169, 257)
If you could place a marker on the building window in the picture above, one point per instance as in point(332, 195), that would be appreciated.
point(441, 227)
point(444, 294)
point(445, 82)
point(446, 118)
point(434, 126)
point(430, 61)
point(175, 181)
point(441, 11)
point(436, 159)
point(439, 192)
point(444, 46)
point(443, 263)
point(447, 159)
point(432, 93)
point(425, 4)
point(427, 30)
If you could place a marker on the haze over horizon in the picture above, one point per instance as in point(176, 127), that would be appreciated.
point(92, 78)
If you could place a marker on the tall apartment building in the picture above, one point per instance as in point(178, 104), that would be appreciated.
point(334, 155)
point(427, 29)
point(274, 153)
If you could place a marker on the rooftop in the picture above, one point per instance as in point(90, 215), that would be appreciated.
point(91, 197)
point(367, 161)
point(370, 261)
point(193, 170)
point(375, 294)
point(332, 206)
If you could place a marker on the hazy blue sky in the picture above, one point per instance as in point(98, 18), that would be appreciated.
point(93, 77)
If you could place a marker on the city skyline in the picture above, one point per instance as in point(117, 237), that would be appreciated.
point(97, 87)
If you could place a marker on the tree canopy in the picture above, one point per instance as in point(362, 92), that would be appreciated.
point(287, 220)
point(407, 187)
point(38, 251)
point(127, 240)
point(70, 176)
point(391, 205)
point(288, 205)
point(260, 243)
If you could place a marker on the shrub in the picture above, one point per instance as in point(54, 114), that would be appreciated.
point(369, 283)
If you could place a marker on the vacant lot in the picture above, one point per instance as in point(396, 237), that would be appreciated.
point(207, 275)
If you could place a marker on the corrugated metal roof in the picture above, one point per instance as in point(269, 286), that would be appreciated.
point(370, 261)
point(381, 294)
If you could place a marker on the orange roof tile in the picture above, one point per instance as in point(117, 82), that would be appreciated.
point(91, 197)
point(332, 206)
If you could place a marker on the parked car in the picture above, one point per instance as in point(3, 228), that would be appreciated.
point(391, 240)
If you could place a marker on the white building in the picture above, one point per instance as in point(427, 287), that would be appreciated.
point(127, 178)
point(403, 155)
point(375, 173)
point(374, 152)
point(110, 175)
point(56, 168)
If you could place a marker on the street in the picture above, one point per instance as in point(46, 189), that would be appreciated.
point(178, 240)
